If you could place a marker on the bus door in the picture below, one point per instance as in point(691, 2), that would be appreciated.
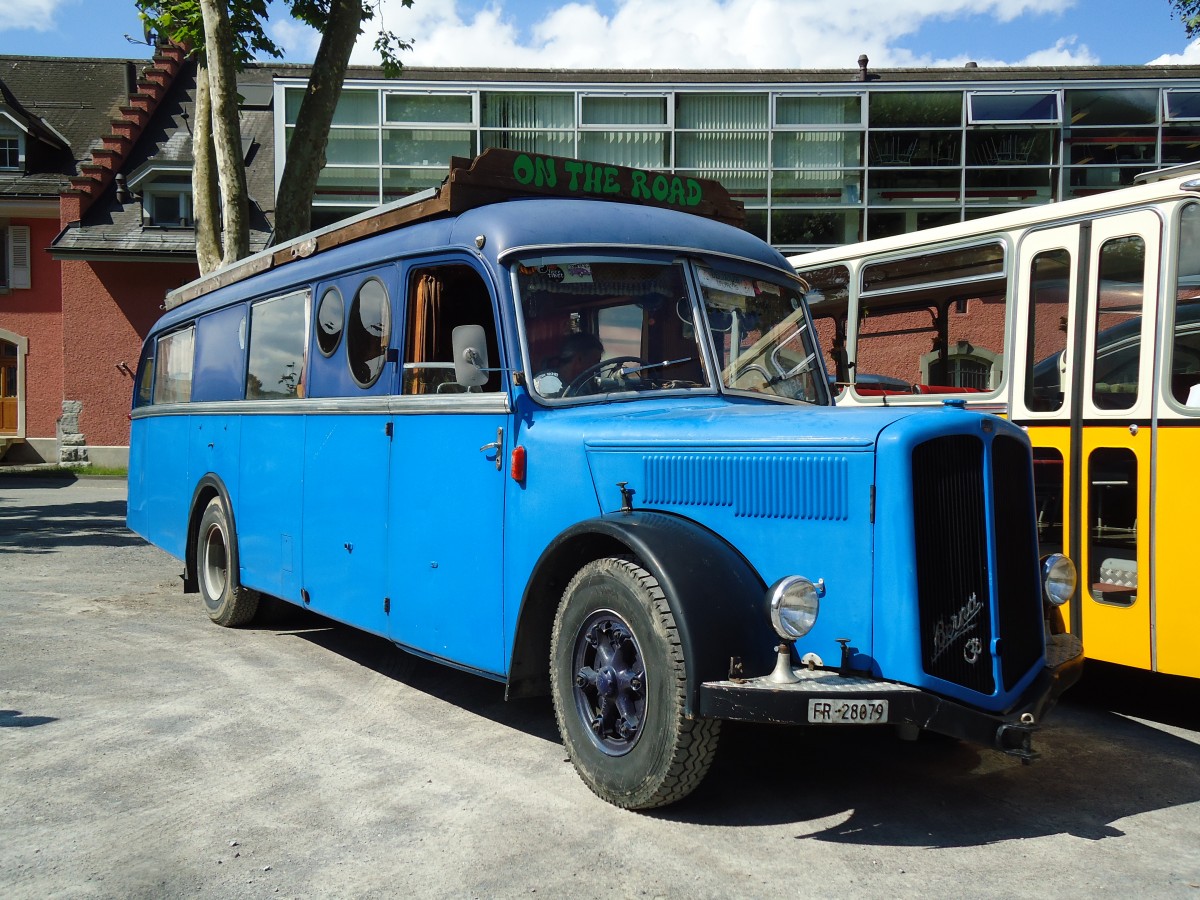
point(450, 456)
point(1177, 453)
point(348, 449)
point(1088, 300)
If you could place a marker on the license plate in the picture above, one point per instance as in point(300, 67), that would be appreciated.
point(848, 712)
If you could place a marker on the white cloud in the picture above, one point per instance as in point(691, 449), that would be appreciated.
point(35, 15)
point(687, 34)
point(1189, 57)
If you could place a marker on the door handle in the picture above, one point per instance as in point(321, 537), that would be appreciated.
point(498, 446)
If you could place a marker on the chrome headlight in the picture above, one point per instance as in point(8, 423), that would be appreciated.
point(792, 605)
point(1059, 579)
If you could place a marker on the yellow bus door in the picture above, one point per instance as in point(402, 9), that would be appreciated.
point(1114, 404)
point(1087, 301)
point(1046, 274)
point(1176, 607)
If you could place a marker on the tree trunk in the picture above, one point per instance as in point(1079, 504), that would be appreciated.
point(206, 209)
point(306, 151)
point(226, 130)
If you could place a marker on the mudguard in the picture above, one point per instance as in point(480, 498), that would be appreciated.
point(715, 595)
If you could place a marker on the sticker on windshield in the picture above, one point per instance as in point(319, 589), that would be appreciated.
point(730, 284)
point(577, 273)
point(766, 287)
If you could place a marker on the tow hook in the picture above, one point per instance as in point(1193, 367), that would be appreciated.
point(1017, 740)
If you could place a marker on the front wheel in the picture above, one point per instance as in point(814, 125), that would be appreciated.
point(617, 677)
point(228, 603)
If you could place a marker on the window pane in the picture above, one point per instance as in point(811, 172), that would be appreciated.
point(882, 224)
point(10, 157)
point(1112, 533)
point(368, 330)
point(911, 148)
point(340, 186)
point(810, 227)
point(820, 186)
point(1118, 323)
point(1011, 148)
point(1109, 146)
point(331, 320)
point(1183, 104)
point(717, 149)
point(1013, 107)
point(905, 109)
point(425, 147)
point(546, 143)
point(818, 110)
point(1011, 185)
point(624, 111)
point(639, 149)
point(173, 367)
point(741, 184)
point(399, 183)
point(502, 110)
point(816, 149)
point(1112, 107)
point(145, 375)
point(353, 108)
point(1185, 349)
point(434, 108)
point(1180, 144)
point(276, 365)
point(721, 110)
point(1049, 281)
point(165, 209)
point(909, 187)
point(353, 146)
point(935, 268)
point(1088, 180)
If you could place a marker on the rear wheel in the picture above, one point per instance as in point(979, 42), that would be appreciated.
point(228, 603)
point(617, 676)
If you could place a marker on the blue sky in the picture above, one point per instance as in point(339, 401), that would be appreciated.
point(738, 34)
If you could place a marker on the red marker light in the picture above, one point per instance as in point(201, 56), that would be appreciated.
point(517, 469)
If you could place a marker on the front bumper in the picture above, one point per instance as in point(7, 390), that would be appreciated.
point(763, 700)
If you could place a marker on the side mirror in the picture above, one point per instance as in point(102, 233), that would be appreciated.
point(470, 355)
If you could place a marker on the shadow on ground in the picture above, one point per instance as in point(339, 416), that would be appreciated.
point(1097, 767)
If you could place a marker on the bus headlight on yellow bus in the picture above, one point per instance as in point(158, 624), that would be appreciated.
point(792, 605)
point(1059, 579)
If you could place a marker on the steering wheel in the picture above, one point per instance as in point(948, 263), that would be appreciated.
point(597, 372)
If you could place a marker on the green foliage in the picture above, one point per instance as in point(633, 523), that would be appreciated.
point(1188, 12)
point(180, 20)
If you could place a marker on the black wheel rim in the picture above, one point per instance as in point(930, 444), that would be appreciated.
point(610, 682)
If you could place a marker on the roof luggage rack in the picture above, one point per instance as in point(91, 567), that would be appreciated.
point(494, 176)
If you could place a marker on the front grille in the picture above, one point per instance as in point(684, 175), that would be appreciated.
point(950, 524)
point(1018, 590)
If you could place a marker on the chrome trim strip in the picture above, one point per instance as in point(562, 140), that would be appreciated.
point(426, 404)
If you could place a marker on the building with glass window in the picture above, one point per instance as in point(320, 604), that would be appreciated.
point(819, 158)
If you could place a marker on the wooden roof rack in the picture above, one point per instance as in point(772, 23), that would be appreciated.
point(493, 176)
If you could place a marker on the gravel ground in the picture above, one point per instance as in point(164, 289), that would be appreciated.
point(145, 752)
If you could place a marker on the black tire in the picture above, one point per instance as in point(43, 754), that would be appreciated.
point(617, 677)
point(228, 603)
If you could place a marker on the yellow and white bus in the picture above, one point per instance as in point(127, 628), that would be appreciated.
point(1080, 321)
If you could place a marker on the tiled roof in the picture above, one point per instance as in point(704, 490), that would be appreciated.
point(77, 98)
point(113, 226)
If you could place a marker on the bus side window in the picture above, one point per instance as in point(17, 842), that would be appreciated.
point(441, 298)
point(145, 376)
point(1049, 279)
point(277, 341)
point(173, 366)
point(1185, 349)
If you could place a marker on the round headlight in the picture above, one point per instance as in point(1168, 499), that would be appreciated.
point(1059, 579)
point(792, 603)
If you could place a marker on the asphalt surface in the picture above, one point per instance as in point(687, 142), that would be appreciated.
point(145, 752)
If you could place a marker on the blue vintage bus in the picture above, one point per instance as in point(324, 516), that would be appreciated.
point(560, 425)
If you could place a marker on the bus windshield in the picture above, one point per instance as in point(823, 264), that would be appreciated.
point(762, 337)
point(598, 326)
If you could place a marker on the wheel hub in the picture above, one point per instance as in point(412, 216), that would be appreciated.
point(609, 682)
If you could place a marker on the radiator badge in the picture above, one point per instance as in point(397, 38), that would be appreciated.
point(946, 633)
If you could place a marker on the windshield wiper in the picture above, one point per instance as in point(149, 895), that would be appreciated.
point(657, 365)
